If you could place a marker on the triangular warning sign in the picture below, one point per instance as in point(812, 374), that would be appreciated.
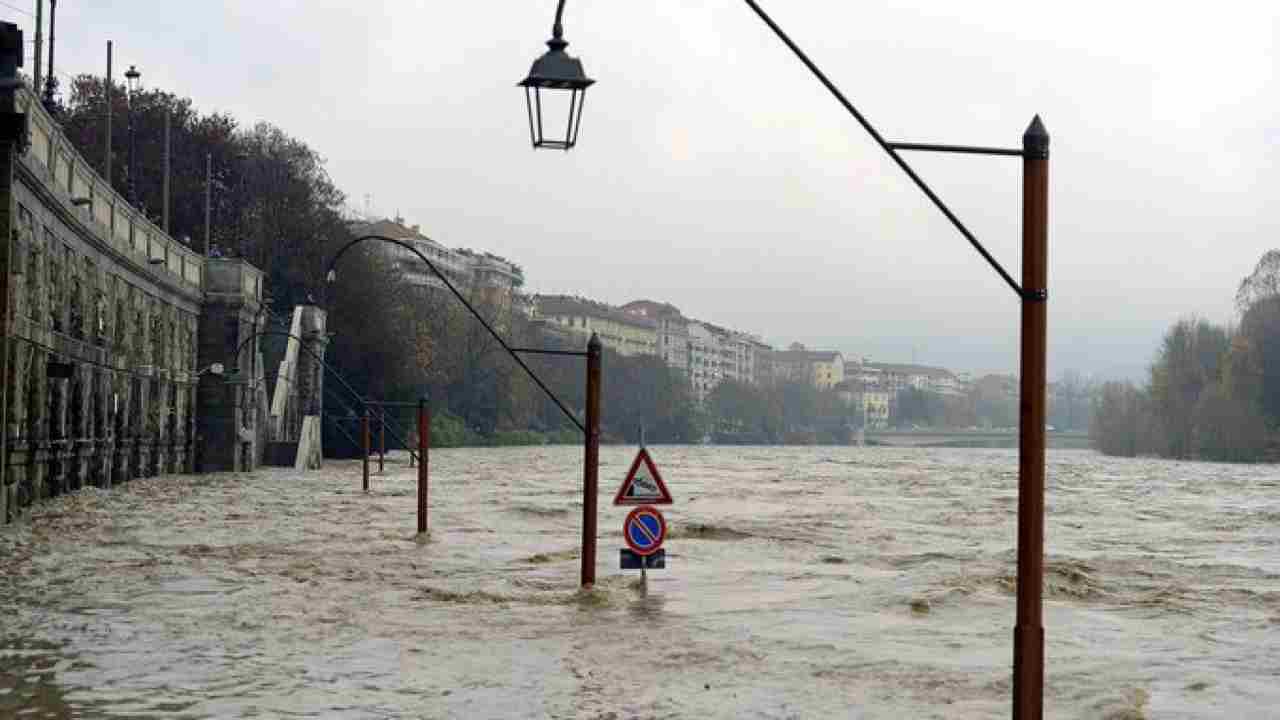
point(643, 485)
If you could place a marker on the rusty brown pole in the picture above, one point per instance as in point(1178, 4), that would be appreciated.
point(382, 438)
point(424, 447)
point(1028, 635)
point(364, 442)
point(591, 463)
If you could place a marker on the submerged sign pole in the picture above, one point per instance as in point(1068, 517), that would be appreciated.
point(645, 528)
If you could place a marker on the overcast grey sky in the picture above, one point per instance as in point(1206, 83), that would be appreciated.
point(715, 173)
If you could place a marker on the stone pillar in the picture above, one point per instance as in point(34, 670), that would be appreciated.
point(121, 402)
point(225, 427)
point(13, 138)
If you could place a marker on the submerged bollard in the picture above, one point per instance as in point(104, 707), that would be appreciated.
point(364, 440)
point(424, 447)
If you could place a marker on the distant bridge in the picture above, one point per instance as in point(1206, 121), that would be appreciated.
point(970, 438)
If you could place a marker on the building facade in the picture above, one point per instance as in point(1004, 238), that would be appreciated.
point(671, 327)
point(824, 369)
point(894, 377)
point(467, 269)
point(623, 332)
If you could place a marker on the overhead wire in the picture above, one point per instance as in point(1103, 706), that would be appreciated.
point(17, 9)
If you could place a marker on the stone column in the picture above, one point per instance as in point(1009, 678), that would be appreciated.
point(13, 137)
point(225, 432)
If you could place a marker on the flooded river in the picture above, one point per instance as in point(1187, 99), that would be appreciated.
point(800, 583)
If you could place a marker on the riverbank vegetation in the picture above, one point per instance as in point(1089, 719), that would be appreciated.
point(1213, 391)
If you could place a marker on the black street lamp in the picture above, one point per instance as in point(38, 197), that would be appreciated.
point(1028, 642)
point(557, 73)
point(132, 78)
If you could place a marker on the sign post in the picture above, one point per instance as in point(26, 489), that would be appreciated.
point(645, 528)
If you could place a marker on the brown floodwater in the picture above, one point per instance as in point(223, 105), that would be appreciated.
point(800, 583)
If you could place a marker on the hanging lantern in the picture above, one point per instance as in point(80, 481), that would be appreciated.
point(554, 93)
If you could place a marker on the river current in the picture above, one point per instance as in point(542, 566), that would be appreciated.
point(800, 583)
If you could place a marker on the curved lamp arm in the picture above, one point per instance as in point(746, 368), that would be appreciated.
point(557, 30)
point(331, 275)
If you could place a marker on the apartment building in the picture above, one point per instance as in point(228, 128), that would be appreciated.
point(467, 270)
point(705, 370)
point(626, 333)
point(894, 377)
point(875, 408)
point(672, 330)
point(824, 369)
point(741, 354)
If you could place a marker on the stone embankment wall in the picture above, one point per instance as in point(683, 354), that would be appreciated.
point(110, 326)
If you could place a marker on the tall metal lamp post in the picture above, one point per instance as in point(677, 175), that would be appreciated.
point(556, 71)
point(133, 79)
point(590, 429)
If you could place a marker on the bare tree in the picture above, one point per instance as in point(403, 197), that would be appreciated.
point(1263, 283)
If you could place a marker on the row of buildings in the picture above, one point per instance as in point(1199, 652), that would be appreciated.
point(465, 268)
point(707, 353)
point(710, 354)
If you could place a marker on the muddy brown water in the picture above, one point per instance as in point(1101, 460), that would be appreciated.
point(800, 583)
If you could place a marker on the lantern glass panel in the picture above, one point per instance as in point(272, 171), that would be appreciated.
point(554, 116)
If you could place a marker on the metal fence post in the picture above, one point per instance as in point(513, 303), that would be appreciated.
point(424, 447)
point(364, 447)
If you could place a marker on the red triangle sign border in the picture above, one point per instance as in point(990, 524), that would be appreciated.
point(664, 495)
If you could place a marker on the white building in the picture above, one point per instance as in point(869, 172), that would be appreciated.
point(706, 364)
point(466, 269)
point(672, 330)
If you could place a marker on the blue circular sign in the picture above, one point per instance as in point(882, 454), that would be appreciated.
point(644, 530)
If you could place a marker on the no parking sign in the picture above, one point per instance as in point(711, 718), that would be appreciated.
point(644, 530)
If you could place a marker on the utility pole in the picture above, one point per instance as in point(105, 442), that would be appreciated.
point(106, 160)
point(50, 82)
point(133, 77)
point(167, 162)
point(208, 198)
point(35, 76)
